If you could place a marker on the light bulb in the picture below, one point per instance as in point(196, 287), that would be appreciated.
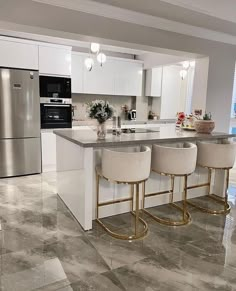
point(192, 64)
point(95, 47)
point(89, 62)
point(101, 58)
point(186, 64)
point(183, 74)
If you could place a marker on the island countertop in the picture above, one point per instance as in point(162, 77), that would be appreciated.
point(88, 137)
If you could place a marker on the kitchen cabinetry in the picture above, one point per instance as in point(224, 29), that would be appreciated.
point(17, 54)
point(115, 77)
point(77, 73)
point(100, 80)
point(55, 60)
point(154, 82)
point(48, 140)
point(171, 92)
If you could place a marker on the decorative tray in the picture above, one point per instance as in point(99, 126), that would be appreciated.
point(188, 128)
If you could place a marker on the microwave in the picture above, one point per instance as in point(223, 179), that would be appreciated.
point(55, 87)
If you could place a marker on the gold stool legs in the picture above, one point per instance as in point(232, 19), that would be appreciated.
point(137, 233)
point(222, 201)
point(186, 217)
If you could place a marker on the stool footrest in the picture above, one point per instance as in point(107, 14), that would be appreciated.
point(140, 234)
point(170, 222)
point(216, 198)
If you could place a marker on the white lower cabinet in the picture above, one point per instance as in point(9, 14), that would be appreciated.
point(48, 140)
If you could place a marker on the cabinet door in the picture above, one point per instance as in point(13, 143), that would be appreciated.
point(154, 82)
point(171, 89)
point(77, 73)
point(100, 80)
point(54, 61)
point(18, 55)
point(128, 78)
point(48, 140)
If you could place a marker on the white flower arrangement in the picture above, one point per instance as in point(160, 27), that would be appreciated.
point(100, 110)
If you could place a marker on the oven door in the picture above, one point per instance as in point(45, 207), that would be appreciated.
point(55, 87)
point(56, 115)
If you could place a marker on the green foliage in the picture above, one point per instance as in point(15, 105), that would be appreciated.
point(100, 110)
point(207, 116)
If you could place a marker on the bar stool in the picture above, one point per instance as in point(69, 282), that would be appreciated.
point(126, 168)
point(215, 156)
point(173, 161)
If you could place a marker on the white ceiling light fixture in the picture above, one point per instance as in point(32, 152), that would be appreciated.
point(101, 58)
point(186, 65)
point(89, 62)
point(95, 47)
point(183, 74)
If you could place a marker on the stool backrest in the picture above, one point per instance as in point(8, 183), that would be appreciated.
point(126, 166)
point(174, 159)
point(216, 155)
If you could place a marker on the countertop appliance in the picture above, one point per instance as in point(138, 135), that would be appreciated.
point(55, 102)
point(132, 114)
point(20, 146)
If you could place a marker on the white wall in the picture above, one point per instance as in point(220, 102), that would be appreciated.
point(200, 84)
point(152, 60)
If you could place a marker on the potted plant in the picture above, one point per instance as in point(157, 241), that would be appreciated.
point(101, 111)
point(205, 125)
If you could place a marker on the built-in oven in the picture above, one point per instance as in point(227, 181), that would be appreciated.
point(55, 87)
point(56, 113)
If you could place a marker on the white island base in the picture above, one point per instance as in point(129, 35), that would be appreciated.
point(77, 183)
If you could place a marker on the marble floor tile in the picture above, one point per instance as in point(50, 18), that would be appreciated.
point(42, 246)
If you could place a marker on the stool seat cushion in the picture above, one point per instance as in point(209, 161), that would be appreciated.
point(216, 155)
point(125, 166)
point(174, 159)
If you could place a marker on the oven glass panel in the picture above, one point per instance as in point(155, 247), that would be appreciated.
point(56, 116)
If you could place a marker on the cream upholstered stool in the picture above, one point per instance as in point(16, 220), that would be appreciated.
point(216, 156)
point(173, 161)
point(128, 168)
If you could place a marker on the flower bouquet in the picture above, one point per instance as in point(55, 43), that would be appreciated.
point(101, 111)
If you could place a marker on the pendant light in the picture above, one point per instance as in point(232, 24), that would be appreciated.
point(95, 47)
point(101, 58)
point(89, 62)
point(183, 74)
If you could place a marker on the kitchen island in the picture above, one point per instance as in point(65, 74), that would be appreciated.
point(79, 152)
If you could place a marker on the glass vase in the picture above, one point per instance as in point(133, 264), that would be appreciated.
point(101, 131)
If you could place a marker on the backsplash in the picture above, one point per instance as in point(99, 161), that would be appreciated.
point(79, 102)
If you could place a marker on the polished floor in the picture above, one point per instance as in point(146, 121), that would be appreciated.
point(44, 248)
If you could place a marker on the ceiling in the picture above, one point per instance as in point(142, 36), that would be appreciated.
point(216, 15)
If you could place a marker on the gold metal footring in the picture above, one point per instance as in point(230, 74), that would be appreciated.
point(222, 201)
point(137, 233)
point(186, 217)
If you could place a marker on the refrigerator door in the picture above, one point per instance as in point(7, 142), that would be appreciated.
point(20, 157)
point(19, 103)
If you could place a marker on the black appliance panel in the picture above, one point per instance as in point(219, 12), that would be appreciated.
point(56, 115)
point(55, 87)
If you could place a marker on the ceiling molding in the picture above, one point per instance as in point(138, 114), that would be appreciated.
point(108, 11)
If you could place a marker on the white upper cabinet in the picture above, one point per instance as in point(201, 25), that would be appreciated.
point(171, 92)
point(16, 54)
point(154, 82)
point(100, 80)
point(54, 60)
point(77, 73)
point(115, 77)
point(128, 77)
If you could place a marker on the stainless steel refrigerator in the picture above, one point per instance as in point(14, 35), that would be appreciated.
point(20, 146)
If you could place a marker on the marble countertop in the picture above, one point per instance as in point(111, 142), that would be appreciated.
point(87, 137)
